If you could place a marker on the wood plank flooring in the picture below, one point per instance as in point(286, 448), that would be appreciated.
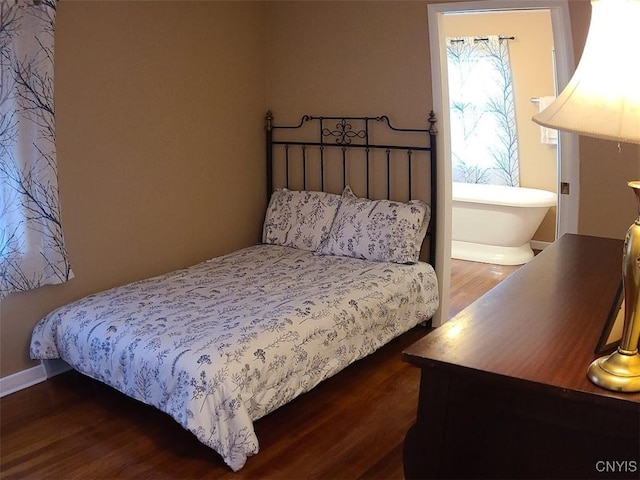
point(469, 280)
point(351, 426)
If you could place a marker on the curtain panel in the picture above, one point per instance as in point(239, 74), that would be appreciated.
point(32, 251)
point(484, 138)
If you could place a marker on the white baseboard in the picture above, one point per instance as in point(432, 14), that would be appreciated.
point(20, 380)
point(31, 376)
point(538, 245)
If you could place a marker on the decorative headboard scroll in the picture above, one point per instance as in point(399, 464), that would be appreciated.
point(306, 156)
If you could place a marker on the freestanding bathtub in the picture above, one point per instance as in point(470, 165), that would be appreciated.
point(494, 224)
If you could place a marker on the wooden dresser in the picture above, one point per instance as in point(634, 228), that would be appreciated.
point(503, 389)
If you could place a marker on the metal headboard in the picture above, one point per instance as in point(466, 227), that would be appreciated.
point(346, 134)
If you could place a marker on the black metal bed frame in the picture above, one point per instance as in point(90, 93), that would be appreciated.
point(339, 132)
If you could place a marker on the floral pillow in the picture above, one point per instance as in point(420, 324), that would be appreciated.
point(299, 219)
point(381, 230)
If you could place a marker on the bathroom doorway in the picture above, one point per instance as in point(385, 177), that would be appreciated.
point(566, 165)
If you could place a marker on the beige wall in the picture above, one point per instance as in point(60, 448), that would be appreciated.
point(159, 109)
point(532, 68)
point(607, 205)
point(363, 58)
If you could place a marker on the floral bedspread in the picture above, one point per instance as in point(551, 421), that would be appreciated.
point(224, 342)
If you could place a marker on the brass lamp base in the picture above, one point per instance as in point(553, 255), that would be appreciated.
point(619, 371)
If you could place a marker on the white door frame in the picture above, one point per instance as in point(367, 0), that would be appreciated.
point(568, 168)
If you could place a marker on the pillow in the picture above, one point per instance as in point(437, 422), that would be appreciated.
point(381, 230)
point(299, 219)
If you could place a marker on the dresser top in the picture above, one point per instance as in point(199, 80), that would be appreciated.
point(540, 325)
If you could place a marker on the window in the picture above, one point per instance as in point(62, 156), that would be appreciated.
point(484, 142)
point(32, 251)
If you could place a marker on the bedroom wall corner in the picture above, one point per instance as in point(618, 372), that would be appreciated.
point(159, 112)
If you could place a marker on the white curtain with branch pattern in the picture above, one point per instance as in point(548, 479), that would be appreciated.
point(32, 251)
point(484, 139)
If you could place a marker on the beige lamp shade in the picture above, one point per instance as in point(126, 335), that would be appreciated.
point(602, 99)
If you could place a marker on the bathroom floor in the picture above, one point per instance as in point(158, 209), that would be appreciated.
point(470, 280)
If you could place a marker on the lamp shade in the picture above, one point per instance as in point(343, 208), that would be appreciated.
point(602, 99)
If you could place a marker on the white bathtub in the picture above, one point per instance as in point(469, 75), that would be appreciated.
point(494, 224)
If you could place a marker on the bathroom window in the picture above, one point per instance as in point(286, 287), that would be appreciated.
point(484, 139)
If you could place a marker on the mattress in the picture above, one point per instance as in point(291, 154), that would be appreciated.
point(224, 342)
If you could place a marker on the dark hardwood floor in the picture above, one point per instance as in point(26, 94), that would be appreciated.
point(469, 280)
point(350, 426)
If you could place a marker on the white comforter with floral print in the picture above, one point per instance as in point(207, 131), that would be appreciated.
point(227, 341)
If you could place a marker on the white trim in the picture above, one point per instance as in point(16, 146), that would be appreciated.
point(21, 380)
point(568, 147)
point(443, 147)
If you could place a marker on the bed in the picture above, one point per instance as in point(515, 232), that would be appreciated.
point(222, 343)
